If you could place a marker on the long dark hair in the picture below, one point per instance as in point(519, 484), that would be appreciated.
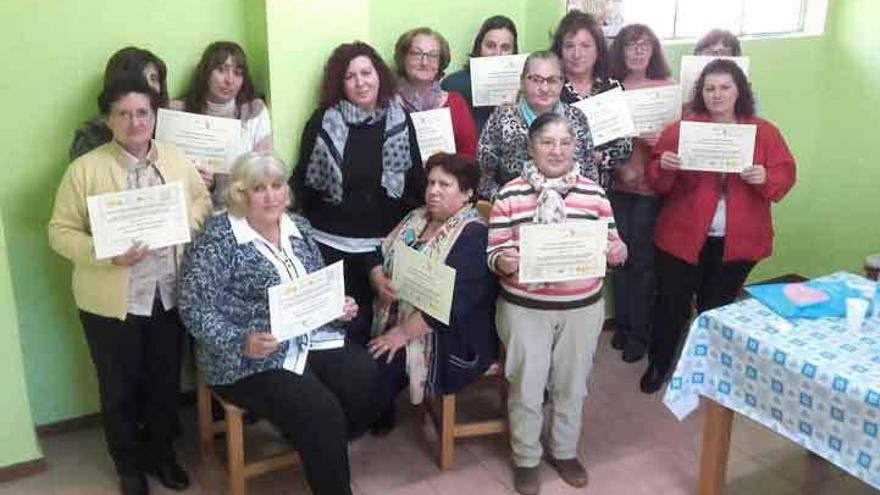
point(571, 23)
point(214, 56)
point(494, 22)
point(745, 101)
point(657, 66)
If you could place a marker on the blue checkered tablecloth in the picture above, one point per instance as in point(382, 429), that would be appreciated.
point(812, 381)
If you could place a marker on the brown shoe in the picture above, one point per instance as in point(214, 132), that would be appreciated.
point(571, 471)
point(526, 480)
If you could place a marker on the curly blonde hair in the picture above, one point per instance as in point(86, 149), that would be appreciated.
point(249, 170)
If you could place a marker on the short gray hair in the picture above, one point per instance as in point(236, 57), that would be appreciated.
point(250, 169)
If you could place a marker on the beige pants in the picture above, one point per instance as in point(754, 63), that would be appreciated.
point(553, 350)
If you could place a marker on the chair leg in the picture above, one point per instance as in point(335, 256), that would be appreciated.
point(206, 435)
point(447, 431)
point(235, 451)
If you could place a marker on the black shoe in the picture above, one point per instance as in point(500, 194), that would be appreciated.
point(652, 380)
point(385, 424)
point(133, 484)
point(171, 475)
point(634, 351)
point(618, 341)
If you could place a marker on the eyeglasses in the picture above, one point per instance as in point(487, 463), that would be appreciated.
point(548, 143)
point(540, 81)
point(418, 56)
point(139, 114)
point(640, 45)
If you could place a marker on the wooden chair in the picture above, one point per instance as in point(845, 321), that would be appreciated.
point(443, 413)
point(237, 469)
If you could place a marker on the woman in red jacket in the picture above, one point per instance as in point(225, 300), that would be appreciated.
point(713, 226)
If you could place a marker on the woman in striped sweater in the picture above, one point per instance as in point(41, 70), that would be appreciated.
point(550, 330)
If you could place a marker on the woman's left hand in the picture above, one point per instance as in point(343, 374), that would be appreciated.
point(754, 175)
point(350, 309)
point(616, 253)
point(390, 342)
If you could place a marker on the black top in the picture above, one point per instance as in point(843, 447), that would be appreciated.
point(366, 210)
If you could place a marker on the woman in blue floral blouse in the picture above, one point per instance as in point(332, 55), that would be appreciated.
point(317, 388)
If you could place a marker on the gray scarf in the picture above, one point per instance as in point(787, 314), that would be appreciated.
point(324, 171)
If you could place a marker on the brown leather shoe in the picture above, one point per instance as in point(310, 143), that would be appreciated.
point(571, 471)
point(526, 480)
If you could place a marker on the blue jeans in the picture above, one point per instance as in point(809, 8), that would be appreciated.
point(634, 215)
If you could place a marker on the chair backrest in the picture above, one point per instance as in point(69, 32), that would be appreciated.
point(484, 207)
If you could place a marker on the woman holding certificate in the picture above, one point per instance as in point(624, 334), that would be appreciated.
point(436, 357)
point(421, 55)
point(222, 87)
point(580, 45)
point(550, 328)
point(496, 37)
point(315, 388)
point(503, 147)
point(128, 303)
point(360, 170)
point(637, 59)
point(714, 225)
point(128, 63)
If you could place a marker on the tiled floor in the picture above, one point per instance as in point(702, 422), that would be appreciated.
point(631, 445)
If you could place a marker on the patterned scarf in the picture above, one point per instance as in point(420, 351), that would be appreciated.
point(324, 171)
point(528, 115)
point(419, 101)
point(421, 360)
point(550, 206)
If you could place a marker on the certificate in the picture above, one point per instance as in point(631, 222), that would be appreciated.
point(210, 142)
point(154, 216)
point(654, 108)
point(716, 147)
point(692, 66)
point(608, 115)
point(425, 283)
point(306, 303)
point(434, 131)
point(496, 80)
point(559, 252)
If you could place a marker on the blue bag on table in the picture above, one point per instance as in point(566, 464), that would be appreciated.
point(812, 299)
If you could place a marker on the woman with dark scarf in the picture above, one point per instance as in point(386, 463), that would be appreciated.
point(359, 170)
point(421, 55)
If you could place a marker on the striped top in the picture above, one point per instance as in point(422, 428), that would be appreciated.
point(515, 205)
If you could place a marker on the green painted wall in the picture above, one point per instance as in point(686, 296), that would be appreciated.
point(17, 438)
point(807, 86)
point(55, 55)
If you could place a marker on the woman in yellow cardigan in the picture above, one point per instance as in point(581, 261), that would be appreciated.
point(128, 303)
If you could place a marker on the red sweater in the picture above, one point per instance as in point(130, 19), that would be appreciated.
point(690, 198)
point(462, 125)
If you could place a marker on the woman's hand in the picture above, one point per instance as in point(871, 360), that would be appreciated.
point(670, 161)
point(389, 342)
point(207, 177)
point(616, 253)
point(382, 286)
point(135, 254)
point(258, 345)
point(754, 175)
point(650, 138)
point(598, 157)
point(507, 263)
point(350, 309)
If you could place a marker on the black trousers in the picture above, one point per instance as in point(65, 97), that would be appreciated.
point(634, 215)
point(357, 285)
point(713, 281)
point(317, 411)
point(138, 367)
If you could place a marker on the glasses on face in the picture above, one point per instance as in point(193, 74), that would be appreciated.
point(638, 46)
point(141, 114)
point(540, 81)
point(418, 56)
point(549, 143)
